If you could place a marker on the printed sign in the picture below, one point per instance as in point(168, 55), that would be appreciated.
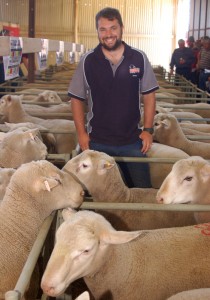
point(42, 55)
point(12, 61)
point(60, 54)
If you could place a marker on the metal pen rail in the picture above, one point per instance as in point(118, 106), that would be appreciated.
point(29, 266)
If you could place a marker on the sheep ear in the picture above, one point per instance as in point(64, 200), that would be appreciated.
point(119, 237)
point(105, 165)
point(32, 133)
point(68, 213)
point(165, 123)
point(205, 172)
point(83, 296)
point(9, 98)
point(40, 98)
point(47, 183)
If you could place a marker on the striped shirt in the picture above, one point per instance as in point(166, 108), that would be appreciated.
point(204, 59)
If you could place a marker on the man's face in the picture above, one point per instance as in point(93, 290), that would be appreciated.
point(181, 45)
point(206, 45)
point(109, 33)
point(190, 44)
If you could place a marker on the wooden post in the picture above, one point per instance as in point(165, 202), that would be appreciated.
point(31, 33)
point(76, 21)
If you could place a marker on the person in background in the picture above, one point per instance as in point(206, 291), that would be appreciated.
point(194, 72)
point(203, 64)
point(110, 78)
point(190, 42)
point(182, 59)
point(208, 84)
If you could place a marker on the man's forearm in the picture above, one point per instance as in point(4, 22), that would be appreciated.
point(77, 107)
point(149, 109)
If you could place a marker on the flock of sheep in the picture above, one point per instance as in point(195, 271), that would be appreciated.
point(120, 254)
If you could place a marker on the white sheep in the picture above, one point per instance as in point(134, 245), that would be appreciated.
point(11, 107)
point(159, 170)
point(20, 147)
point(179, 114)
point(188, 115)
point(170, 98)
point(197, 294)
point(199, 127)
point(47, 137)
point(167, 131)
point(197, 133)
point(35, 190)
point(5, 176)
point(100, 175)
point(188, 182)
point(119, 265)
point(194, 108)
point(37, 95)
point(32, 109)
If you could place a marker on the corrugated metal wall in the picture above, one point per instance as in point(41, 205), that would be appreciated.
point(149, 24)
point(199, 18)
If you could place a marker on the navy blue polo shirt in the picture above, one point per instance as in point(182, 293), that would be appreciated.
point(113, 94)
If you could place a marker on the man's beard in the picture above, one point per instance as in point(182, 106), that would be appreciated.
point(114, 47)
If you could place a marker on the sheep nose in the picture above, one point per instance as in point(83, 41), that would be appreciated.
point(159, 200)
point(48, 290)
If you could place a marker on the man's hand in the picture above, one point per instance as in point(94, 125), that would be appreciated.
point(147, 140)
point(84, 140)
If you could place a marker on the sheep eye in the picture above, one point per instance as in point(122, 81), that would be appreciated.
point(156, 124)
point(188, 178)
point(84, 165)
point(85, 252)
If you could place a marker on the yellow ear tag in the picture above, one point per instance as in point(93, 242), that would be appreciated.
point(31, 135)
point(108, 164)
point(47, 185)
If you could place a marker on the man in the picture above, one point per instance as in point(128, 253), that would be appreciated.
point(204, 64)
point(111, 78)
point(183, 59)
point(194, 72)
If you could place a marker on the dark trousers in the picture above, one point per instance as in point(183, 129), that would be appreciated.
point(186, 72)
point(203, 77)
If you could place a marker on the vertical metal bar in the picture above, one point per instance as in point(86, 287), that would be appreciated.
point(206, 17)
point(199, 23)
point(76, 21)
point(31, 33)
point(194, 18)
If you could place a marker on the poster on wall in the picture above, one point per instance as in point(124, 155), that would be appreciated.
point(9, 29)
point(60, 54)
point(41, 57)
point(12, 61)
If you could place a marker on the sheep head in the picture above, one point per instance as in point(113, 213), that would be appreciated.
point(81, 243)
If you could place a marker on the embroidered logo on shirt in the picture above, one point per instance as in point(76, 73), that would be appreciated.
point(134, 71)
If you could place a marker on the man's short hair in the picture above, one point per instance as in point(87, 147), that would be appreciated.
point(191, 39)
point(110, 14)
point(181, 41)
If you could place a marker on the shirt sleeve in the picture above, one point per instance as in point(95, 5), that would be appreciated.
point(77, 86)
point(149, 83)
point(172, 62)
